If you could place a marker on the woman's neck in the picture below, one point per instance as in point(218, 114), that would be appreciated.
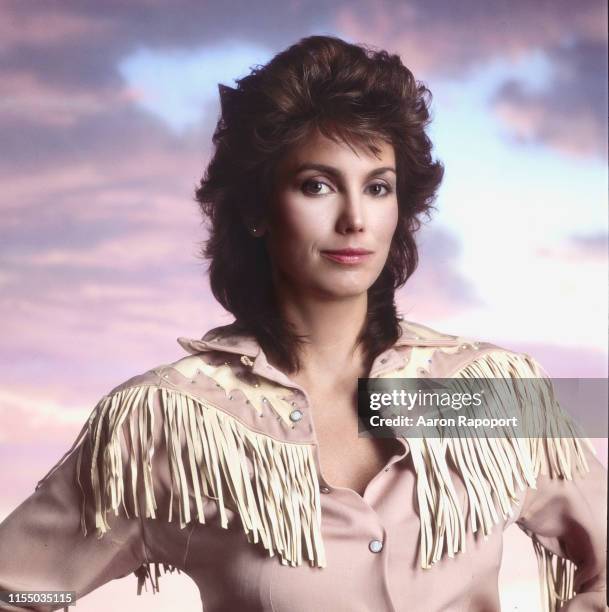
point(332, 329)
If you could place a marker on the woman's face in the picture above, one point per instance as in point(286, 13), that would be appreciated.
point(327, 199)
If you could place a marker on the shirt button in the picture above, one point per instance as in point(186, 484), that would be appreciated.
point(375, 546)
point(324, 489)
point(295, 415)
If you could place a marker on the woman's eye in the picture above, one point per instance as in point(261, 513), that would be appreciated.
point(315, 187)
point(315, 184)
point(375, 187)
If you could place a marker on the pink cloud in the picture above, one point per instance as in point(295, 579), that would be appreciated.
point(569, 115)
point(432, 38)
point(583, 249)
point(31, 413)
point(577, 133)
point(437, 289)
point(47, 26)
point(24, 97)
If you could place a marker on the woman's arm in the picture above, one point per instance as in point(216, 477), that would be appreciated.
point(43, 546)
point(565, 505)
point(569, 519)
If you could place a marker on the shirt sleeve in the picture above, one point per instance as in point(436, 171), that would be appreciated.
point(43, 545)
point(568, 519)
point(564, 507)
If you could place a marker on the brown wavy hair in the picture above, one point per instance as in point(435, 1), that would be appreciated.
point(350, 93)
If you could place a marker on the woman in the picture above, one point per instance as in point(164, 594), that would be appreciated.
point(240, 463)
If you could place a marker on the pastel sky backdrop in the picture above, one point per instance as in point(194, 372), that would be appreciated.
point(106, 115)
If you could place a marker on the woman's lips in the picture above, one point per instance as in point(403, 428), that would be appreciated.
point(347, 257)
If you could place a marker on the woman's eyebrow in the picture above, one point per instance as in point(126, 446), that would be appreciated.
point(335, 172)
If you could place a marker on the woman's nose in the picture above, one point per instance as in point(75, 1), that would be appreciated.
point(351, 217)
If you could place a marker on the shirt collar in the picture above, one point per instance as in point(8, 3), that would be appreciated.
point(226, 338)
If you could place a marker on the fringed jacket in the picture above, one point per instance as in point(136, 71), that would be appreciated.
point(210, 466)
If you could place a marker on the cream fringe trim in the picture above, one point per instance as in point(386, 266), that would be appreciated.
point(279, 505)
point(556, 577)
point(143, 572)
point(493, 468)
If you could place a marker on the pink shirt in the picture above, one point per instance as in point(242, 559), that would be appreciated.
point(262, 529)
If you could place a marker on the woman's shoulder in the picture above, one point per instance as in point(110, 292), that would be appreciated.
point(223, 379)
point(441, 354)
point(206, 357)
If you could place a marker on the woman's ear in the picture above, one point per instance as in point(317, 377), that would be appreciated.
point(257, 228)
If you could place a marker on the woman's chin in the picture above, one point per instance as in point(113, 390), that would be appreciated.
point(342, 288)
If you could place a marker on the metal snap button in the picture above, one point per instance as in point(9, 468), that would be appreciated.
point(324, 489)
point(375, 546)
point(295, 415)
